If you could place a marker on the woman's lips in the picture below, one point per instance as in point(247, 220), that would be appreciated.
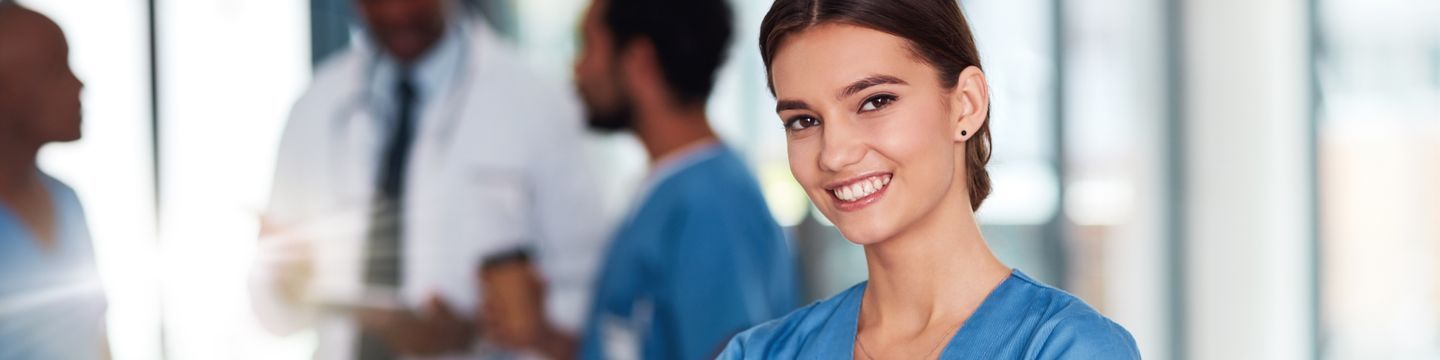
point(860, 192)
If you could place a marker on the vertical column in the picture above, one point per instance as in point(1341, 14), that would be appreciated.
point(1247, 225)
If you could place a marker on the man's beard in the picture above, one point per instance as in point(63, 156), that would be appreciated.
point(622, 118)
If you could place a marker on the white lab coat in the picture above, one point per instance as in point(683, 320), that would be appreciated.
point(495, 164)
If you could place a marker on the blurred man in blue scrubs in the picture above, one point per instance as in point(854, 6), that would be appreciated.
point(699, 258)
point(51, 303)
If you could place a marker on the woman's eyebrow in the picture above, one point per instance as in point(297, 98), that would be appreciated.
point(868, 81)
point(783, 105)
point(852, 89)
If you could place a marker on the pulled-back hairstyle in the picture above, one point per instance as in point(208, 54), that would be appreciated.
point(938, 35)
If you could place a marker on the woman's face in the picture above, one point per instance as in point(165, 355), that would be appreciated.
point(871, 131)
point(39, 94)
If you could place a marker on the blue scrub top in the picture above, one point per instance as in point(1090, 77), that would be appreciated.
point(1021, 319)
point(700, 260)
point(51, 302)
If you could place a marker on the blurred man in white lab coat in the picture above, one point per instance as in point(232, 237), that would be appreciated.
point(409, 162)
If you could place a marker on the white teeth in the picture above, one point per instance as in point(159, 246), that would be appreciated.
point(863, 188)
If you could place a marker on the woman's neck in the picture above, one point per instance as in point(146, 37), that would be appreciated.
point(935, 272)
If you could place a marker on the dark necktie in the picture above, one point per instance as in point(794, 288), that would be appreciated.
point(383, 246)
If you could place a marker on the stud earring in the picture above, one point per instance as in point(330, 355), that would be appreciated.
point(963, 133)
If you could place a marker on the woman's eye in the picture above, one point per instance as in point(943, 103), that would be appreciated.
point(876, 102)
point(801, 123)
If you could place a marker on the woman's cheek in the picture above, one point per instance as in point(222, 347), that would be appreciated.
point(917, 139)
point(804, 161)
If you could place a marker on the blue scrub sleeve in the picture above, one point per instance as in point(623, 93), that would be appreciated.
point(709, 297)
point(1088, 336)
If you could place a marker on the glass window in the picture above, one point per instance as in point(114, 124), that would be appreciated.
point(110, 168)
point(1379, 160)
point(229, 73)
point(1115, 152)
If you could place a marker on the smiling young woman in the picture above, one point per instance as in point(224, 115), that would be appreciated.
point(885, 107)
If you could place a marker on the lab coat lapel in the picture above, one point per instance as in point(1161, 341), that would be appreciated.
point(438, 125)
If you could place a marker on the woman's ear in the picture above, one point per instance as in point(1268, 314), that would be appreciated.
point(972, 97)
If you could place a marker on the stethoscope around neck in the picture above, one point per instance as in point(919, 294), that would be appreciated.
point(356, 104)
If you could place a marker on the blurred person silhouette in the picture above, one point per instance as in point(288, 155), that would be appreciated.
point(410, 161)
point(52, 305)
point(699, 258)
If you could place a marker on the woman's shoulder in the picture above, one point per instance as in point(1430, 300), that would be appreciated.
point(783, 337)
point(1068, 327)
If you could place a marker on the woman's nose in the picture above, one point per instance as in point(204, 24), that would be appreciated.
point(842, 145)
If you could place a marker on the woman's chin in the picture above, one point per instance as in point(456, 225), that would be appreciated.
point(864, 234)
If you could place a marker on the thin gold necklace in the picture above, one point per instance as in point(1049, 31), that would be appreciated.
point(943, 340)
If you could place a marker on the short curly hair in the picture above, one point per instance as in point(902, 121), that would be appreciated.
point(690, 39)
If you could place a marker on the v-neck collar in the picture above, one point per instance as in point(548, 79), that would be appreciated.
point(848, 315)
point(30, 235)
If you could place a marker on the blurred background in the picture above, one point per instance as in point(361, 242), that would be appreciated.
point(1228, 179)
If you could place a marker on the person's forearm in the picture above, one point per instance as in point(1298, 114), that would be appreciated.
point(277, 313)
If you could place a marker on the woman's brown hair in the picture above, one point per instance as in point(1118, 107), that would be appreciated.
point(936, 30)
